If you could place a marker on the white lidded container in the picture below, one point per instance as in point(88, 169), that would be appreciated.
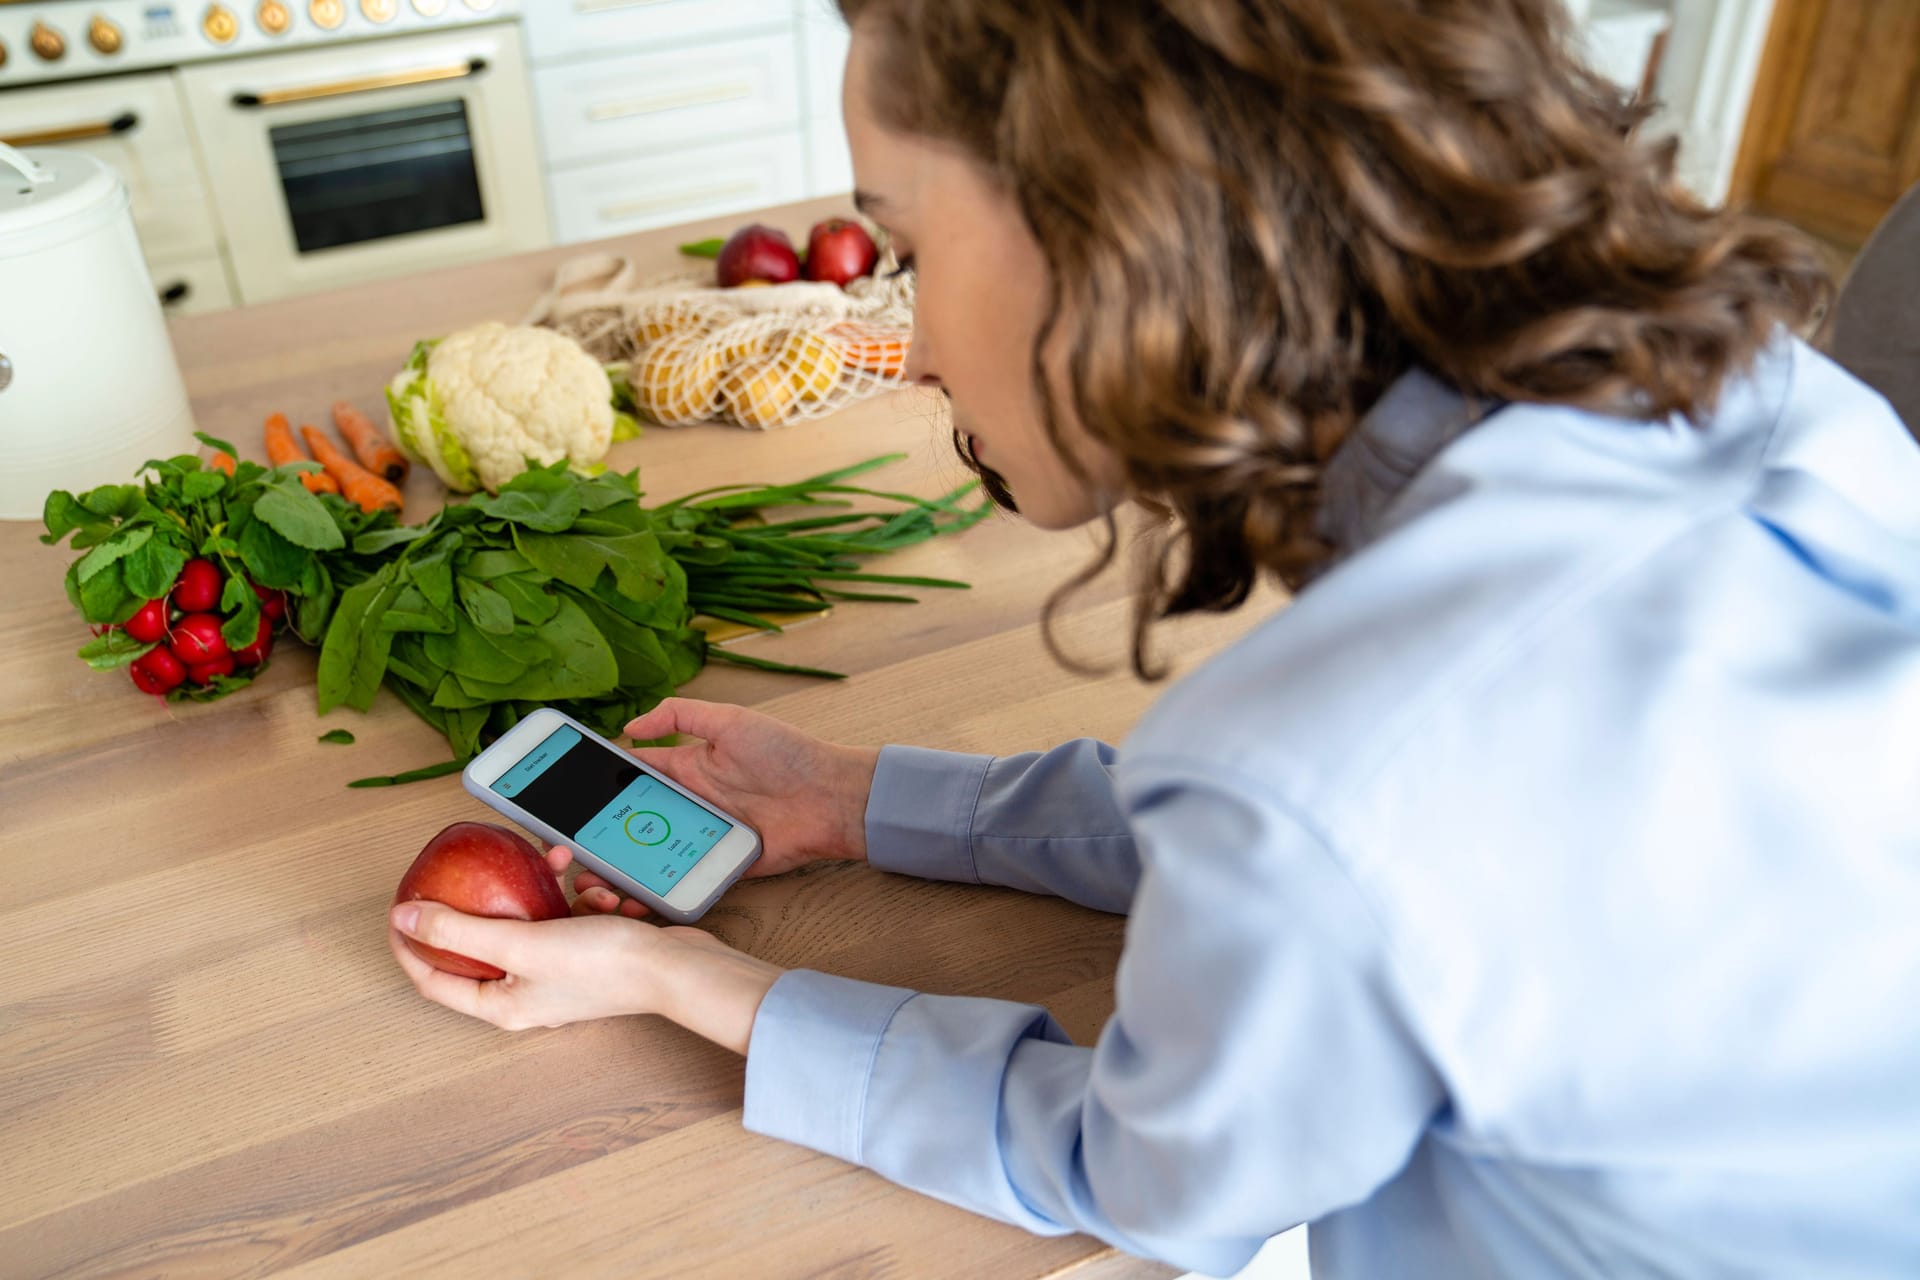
point(89, 388)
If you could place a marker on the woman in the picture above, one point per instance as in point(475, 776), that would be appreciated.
point(1536, 893)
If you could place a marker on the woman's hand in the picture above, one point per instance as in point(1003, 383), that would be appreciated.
point(806, 798)
point(584, 966)
point(558, 971)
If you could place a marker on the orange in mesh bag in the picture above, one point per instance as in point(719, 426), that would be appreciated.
point(798, 381)
point(872, 348)
point(676, 381)
point(675, 315)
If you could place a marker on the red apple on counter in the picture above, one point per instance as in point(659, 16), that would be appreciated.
point(483, 870)
point(757, 252)
point(839, 251)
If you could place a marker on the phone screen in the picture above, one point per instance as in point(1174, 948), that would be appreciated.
point(638, 824)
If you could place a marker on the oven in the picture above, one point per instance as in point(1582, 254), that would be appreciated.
point(278, 148)
point(336, 165)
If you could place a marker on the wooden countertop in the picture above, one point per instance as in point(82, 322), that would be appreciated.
point(209, 1064)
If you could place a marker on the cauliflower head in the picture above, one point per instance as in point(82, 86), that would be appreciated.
point(478, 403)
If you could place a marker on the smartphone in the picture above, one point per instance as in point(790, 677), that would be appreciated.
point(632, 826)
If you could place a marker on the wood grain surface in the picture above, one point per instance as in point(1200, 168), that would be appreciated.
point(209, 1063)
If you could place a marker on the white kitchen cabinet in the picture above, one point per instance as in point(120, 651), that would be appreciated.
point(137, 125)
point(633, 193)
point(823, 55)
point(657, 102)
point(829, 163)
point(191, 285)
point(656, 111)
point(563, 29)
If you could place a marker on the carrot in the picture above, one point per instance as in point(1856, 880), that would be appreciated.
point(282, 448)
point(357, 484)
point(375, 451)
point(221, 461)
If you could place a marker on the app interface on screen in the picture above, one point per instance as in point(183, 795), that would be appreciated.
point(610, 808)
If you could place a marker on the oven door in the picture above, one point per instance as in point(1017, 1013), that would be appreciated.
point(350, 163)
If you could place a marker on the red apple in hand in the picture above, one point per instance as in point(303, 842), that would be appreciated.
point(839, 251)
point(483, 870)
point(758, 253)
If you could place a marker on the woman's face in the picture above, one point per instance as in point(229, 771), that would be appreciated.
point(981, 285)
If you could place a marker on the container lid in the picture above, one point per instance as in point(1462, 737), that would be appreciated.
point(48, 195)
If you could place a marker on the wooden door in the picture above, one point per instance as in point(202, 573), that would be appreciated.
point(1833, 135)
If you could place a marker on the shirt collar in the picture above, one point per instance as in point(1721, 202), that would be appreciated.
point(1416, 417)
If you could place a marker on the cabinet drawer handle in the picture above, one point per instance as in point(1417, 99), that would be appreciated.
point(121, 123)
point(690, 195)
point(621, 108)
point(366, 84)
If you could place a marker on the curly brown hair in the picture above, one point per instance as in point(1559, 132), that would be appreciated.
point(1262, 212)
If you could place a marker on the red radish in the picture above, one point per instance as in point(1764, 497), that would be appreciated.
point(255, 652)
point(149, 621)
point(204, 672)
point(197, 639)
point(198, 587)
point(156, 672)
point(272, 603)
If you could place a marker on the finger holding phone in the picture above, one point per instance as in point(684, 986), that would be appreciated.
point(806, 797)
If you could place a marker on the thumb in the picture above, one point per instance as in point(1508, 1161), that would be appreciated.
point(477, 937)
point(681, 715)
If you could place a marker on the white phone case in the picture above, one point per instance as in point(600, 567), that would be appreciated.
point(485, 794)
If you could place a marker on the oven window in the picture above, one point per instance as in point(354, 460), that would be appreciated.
point(355, 178)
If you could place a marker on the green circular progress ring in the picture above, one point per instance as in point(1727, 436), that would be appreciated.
point(666, 828)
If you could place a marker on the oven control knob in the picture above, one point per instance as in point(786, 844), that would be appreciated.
point(3, 53)
point(219, 24)
point(327, 14)
point(380, 10)
point(47, 43)
point(274, 18)
point(429, 8)
point(103, 35)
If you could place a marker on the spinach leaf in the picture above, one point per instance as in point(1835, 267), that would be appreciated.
point(489, 609)
point(640, 566)
point(353, 657)
point(528, 596)
point(544, 499)
point(484, 566)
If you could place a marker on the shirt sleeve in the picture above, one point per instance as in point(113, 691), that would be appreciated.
point(1044, 822)
point(1256, 1073)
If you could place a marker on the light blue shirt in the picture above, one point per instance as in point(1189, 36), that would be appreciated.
point(1538, 894)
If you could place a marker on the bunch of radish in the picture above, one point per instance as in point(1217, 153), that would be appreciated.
point(184, 629)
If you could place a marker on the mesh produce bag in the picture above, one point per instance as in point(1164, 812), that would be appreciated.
point(756, 356)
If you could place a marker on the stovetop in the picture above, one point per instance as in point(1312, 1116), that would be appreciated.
point(51, 40)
